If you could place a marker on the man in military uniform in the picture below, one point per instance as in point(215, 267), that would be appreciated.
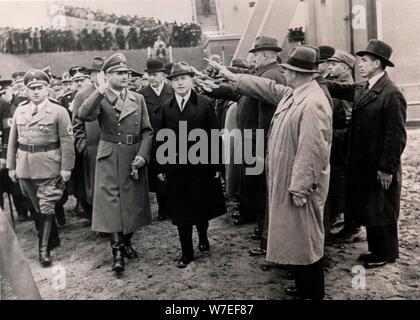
point(340, 68)
point(121, 196)
point(80, 77)
point(41, 154)
point(67, 82)
point(134, 79)
point(156, 94)
point(18, 86)
point(7, 110)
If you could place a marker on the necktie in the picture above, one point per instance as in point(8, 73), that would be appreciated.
point(122, 96)
point(182, 104)
point(35, 110)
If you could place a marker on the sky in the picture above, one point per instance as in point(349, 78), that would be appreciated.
point(27, 13)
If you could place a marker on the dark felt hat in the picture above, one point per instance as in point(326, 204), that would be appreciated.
point(379, 49)
point(302, 59)
point(266, 43)
point(179, 69)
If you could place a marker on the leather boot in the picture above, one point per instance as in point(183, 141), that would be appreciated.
point(129, 251)
point(44, 252)
point(54, 241)
point(117, 252)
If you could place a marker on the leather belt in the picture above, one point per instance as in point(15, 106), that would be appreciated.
point(120, 138)
point(40, 147)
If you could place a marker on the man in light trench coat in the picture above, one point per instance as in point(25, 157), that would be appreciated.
point(121, 194)
point(298, 167)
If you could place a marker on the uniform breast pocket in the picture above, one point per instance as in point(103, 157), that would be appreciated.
point(46, 126)
point(20, 124)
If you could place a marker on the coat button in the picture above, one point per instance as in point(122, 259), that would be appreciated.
point(119, 133)
point(119, 142)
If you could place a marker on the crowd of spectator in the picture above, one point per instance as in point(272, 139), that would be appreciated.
point(120, 33)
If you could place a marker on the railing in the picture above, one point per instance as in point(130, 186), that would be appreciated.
point(411, 92)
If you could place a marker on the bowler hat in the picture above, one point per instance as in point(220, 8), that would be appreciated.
point(342, 56)
point(168, 68)
point(266, 43)
point(179, 69)
point(379, 49)
point(115, 63)
point(154, 65)
point(302, 59)
point(97, 63)
point(325, 52)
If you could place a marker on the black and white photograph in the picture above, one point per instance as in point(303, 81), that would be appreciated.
point(210, 155)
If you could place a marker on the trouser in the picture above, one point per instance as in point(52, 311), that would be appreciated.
point(335, 203)
point(310, 280)
point(383, 241)
point(185, 232)
point(162, 200)
point(264, 234)
point(44, 195)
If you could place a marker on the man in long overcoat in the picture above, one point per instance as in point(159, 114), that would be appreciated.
point(298, 169)
point(194, 190)
point(87, 135)
point(341, 65)
point(156, 94)
point(255, 114)
point(121, 196)
point(377, 140)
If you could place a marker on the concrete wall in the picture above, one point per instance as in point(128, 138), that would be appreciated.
point(234, 15)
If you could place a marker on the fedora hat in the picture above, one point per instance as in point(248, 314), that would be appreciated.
point(97, 63)
point(379, 49)
point(266, 43)
point(302, 59)
point(154, 65)
point(179, 69)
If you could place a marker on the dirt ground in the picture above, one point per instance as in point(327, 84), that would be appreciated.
point(82, 265)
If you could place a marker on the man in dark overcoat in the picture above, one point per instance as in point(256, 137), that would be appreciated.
point(377, 140)
point(121, 196)
point(156, 94)
point(254, 114)
point(194, 189)
point(340, 66)
point(87, 135)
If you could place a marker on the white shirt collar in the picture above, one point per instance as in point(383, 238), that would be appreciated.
point(372, 81)
point(158, 90)
point(179, 99)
